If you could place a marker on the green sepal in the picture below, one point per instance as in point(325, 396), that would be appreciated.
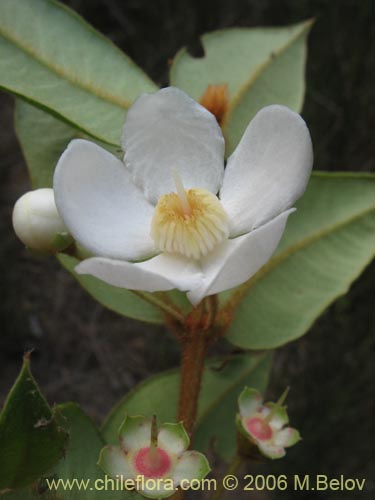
point(62, 241)
point(240, 427)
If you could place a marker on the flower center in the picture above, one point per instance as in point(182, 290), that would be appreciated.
point(259, 428)
point(152, 462)
point(190, 222)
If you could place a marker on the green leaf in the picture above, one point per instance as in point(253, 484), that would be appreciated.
point(25, 494)
point(261, 66)
point(43, 139)
point(79, 464)
point(61, 63)
point(327, 243)
point(82, 456)
point(31, 441)
point(221, 386)
point(116, 299)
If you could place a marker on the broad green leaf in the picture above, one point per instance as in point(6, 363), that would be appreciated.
point(327, 243)
point(79, 465)
point(261, 66)
point(54, 59)
point(43, 139)
point(31, 441)
point(25, 494)
point(81, 458)
point(116, 299)
point(221, 386)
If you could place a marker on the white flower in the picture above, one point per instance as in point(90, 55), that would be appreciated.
point(265, 425)
point(37, 222)
point(154, 461)
point(216, 230)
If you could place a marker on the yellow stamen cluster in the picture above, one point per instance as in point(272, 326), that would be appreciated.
point(191, 223)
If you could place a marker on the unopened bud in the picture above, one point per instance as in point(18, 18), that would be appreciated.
point(38, 224)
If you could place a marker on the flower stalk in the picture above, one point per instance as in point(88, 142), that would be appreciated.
point(198, 334)
point(194, 348)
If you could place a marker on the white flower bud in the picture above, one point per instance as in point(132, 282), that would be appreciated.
point(37, 222)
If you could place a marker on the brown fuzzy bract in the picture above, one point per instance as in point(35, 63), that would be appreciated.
point(216, 100)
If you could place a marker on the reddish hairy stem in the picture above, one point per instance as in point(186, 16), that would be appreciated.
point(194, 348)
point(199, 332)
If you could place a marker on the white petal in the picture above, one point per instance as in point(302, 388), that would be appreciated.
point(249, 402)
point(100, 205)
point(269, 169)
point(235, 261)
point(287, 437)
point(135, 433)
point(191, 465)
point(270, 450)
point(115, 463)
point(153, 488)
point(169, 130)
point(279, 416)
point(173, 438)
point(163, 272)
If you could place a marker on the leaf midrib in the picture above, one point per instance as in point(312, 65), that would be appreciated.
point(63, 73)
point(239, 95)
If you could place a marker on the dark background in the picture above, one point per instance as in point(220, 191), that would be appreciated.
point(87, 354)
